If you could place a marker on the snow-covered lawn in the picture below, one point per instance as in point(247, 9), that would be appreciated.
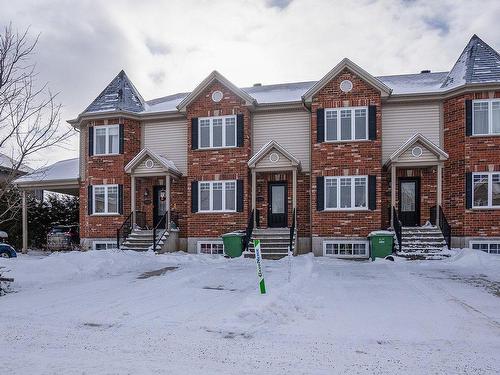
point(93, 313)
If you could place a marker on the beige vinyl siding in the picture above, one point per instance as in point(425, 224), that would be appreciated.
point(169, 139)
point(265, 163)
point(142, 169)
point(84, 138)
point(290, 129)
point(427, 156)
point(401, 121)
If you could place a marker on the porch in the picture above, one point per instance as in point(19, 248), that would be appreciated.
point(151, 220)
point(274, 199)
point(415, 184)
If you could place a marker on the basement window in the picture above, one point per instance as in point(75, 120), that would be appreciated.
point(211, 247)
point(103, 245)
point(346, 249)
point(489, 247)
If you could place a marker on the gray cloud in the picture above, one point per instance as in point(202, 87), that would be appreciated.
point(169, 47)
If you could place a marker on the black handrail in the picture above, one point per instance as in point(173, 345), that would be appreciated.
point(248, 230)
point(166, 222)
point(292, 231)
point(126, 227)
point(397, 226)
point(443, 224)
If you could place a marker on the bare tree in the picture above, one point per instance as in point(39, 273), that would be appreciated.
point(29, 113)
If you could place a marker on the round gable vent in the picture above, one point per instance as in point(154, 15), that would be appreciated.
point(416, 151)
point(346, 85)
point(217, 96)
point(274, 157)
point(149, 163)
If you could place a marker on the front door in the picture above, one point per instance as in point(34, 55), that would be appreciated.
point(159, 206)
point(409, 201)
point(277, 210)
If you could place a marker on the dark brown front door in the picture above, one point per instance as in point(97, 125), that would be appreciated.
point(277, 211)
point(409, 201)
point(159, 206)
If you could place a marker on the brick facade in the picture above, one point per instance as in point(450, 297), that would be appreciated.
point(346, 158)
point(467, 154)
point(108, 169)
point(218, 164)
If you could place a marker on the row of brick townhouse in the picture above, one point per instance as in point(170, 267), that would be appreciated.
point(337, 158)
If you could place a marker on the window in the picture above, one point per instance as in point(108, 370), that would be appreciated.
point(346, 249)
point(486, 246)
point(210, 247)
point(346, 192)
point(103, 245)
point(217, 132)
point(217, 196)
point(346, 124)
point(105, 199)
point(486, 190)
point(106, 140)
point(486, 117)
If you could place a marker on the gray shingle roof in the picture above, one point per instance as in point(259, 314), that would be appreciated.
point(478, 63)
point(120, 94)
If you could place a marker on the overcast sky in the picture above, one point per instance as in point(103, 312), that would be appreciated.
point(170, 46)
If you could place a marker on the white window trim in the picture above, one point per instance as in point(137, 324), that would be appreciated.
point(106, 212)
point(107, 127)
point(490, 118)
point(210, 242)
point(211, 210)
point(490, 191)
point(107, 243)
point(211, 132)
point(366, 243)
point(353, 194)
point(482, 242)
point(353, 122)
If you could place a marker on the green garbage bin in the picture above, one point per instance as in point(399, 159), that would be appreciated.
point(381, 243)
point(233, 243)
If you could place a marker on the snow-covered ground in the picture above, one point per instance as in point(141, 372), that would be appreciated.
point(93, 313)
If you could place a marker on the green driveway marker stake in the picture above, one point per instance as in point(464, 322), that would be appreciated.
point(258, 260)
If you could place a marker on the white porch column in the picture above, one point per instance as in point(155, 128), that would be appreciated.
point(439, 190)
point(167, 200)
point(294, 188)
point(132, 198)
point(254, 200)
point(25, 222)
point(393, 192)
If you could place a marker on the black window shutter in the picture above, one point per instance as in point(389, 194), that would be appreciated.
point(320, 121)
point(120, 199)
point(91, 140)
point(468, 190)
point(194, 196)
point(90, 201)
point(194, 133)
point(372, 192)
point(239, 195)
point(320, 193)
point(468, 117)
point(372, 122)
point(240, 130)
point(122, 136)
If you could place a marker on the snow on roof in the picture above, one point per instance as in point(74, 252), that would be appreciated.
point(280, 93)
point(120, 94)
point(415, 83)
point(62, 170)
point(7, 162)
point(478, 63)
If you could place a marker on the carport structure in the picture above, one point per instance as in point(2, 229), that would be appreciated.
point(61, 177)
